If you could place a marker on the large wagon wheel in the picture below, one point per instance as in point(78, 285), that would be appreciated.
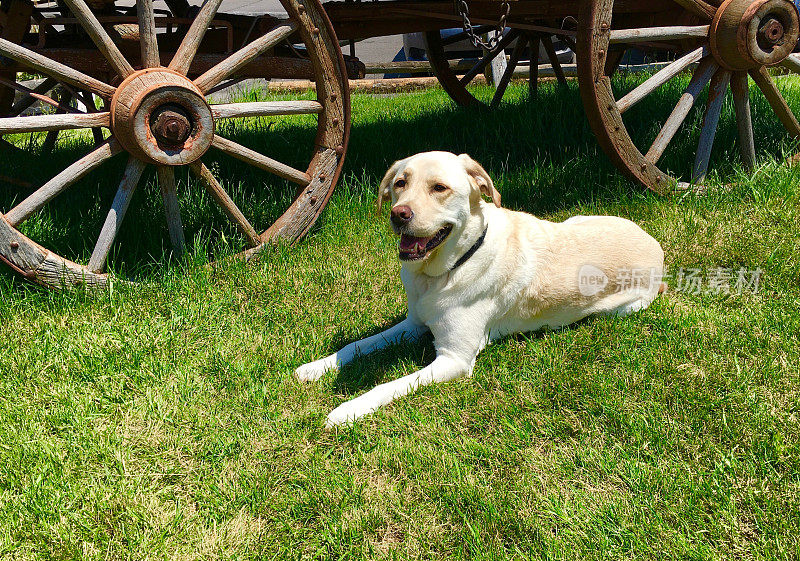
point(160, 117)
point(455, 81)
point(737, 39)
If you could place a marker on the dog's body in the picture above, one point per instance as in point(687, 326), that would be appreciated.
point(474, 272)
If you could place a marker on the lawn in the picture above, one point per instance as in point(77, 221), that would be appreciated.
point(162, 420)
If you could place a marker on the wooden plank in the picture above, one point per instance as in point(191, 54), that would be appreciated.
point(224, 200)
point(182, 60)
point(744, 123)
point(62, 181)
point(499, 64)
point(516, 54)
point(415, 66)
point(59, 71)
point(658, 79)
point(260, 161)
point(113, 223)
point(716, 96)
point(53, 122)
point(670, 33)
point(100, 37)
point(243, 56)
point(264, 109)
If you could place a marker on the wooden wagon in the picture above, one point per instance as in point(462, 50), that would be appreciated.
point(143, 76)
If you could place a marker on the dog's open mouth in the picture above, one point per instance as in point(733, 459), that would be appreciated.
point(413, 248)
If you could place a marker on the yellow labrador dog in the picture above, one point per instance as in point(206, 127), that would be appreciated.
point(474, 271)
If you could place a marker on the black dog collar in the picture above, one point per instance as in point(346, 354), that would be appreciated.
point(471, 251)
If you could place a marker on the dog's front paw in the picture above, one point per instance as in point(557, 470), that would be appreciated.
point(348, 412)
point(313, 371)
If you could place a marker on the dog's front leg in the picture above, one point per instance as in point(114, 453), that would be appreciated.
point(442, 369)
point(406, 329)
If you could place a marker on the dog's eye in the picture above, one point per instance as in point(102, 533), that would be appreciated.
point(439, 188)
point(400, 183)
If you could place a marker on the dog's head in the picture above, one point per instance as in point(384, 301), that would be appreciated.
point(433, 194)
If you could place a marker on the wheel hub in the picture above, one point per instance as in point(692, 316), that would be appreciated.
point(160, 117)
point(748, 34)
point(171, 125)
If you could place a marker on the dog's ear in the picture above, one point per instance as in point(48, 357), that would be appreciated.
point(386, 183)
point(480, 178)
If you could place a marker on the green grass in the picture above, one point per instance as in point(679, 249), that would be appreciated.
point(162, 420)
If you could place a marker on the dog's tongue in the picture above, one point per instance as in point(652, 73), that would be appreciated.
point(413, 244)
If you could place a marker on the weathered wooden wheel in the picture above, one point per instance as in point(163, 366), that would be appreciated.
point(455, 82)
point(160, 116)
point(728, 43)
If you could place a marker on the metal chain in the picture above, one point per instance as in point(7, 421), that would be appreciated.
point(491, 43)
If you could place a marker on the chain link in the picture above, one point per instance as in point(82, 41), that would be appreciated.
point(491, 43)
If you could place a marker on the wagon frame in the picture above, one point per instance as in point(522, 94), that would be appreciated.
point(153, 71)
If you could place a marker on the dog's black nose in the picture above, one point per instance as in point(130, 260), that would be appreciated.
point(402, 215)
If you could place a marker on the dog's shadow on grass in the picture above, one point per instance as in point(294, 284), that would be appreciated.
point(369, 370)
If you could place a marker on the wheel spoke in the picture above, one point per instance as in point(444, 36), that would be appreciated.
point(716, 96)
point(88, 100)
point(133, 172)
point(99, 36)
point(147, 34)
point(34, 95)
point(487, 58)
point(172, 208)
point(59, 71)
point(551, 54)
point(533, 72)
point(764, 81)
point(225, 85)
point(698, 8)
point(461, 35)
point(792, 62)
point(741, 102)
point(224, 200)
point(182, 60)
point(516, 54)
point(260, 161)
point(240, 58)
point(53, 122)
point(61, 182)
point(613, 60)
point(264, 109)
point(699, 80)
point(658, 79)
point(52, 135)
point(645, 34)
point(43, 98)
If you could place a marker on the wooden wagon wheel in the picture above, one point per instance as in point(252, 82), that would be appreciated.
point(737, 39)
point(455, 82)
point(161, 117)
